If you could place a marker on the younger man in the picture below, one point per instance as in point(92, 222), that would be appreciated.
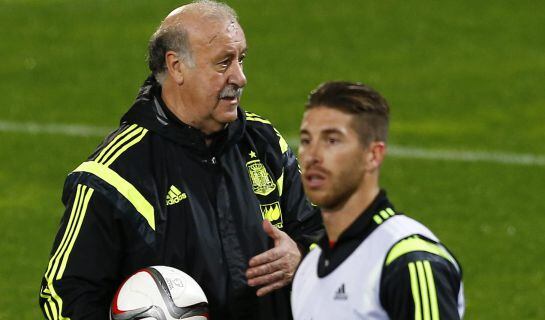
point(374, 262)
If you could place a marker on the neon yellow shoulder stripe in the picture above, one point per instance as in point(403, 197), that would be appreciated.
point(280, 183)
point(281, 141)
point(127, 146)
point(258, 120)
point(113, 143)
point(416, 244)
point(123, 186)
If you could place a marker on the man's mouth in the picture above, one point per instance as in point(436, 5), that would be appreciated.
point(314, 179)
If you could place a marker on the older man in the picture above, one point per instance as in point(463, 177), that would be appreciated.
point(188, 180)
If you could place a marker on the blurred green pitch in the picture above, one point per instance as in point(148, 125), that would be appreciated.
point(459, 75)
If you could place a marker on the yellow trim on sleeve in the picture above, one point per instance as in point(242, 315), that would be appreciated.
point(416, 291)
point(431, 290)
point(258, 120)
point(112, 144)
point(416, 244)
point(280, 183)
point(80, 218)
point(127, 146)
point(282, 142)
point(122, 186)
point(423, 291)
point(59, 260)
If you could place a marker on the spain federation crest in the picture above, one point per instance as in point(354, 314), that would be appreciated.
point(273, 213)
point(262, 183)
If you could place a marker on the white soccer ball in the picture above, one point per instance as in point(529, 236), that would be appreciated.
point(159, 293)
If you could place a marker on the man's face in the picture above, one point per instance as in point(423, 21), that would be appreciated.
point(332, 157)
point(210, 87)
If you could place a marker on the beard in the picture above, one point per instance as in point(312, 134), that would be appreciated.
point(339, 189)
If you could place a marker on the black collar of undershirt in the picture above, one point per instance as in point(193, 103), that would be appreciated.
point(353, 236)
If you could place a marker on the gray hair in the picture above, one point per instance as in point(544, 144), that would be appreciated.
point(174, 36)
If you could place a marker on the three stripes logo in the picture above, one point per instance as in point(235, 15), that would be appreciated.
point(123, 141)
point(175, 195)
point(423, 290)
point(51, 301)
point(340, 294)
point(383, 215)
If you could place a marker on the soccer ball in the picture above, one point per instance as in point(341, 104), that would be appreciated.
point(159, 293)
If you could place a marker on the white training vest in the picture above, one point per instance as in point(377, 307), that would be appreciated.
point(351, 291)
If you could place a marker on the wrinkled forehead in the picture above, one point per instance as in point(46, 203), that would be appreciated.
point(218, 35)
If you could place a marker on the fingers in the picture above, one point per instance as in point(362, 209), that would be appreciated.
point(270, 282)
point(268, 279)
point(265, 257)
point(265, 269)
point(274, 268)
point(267, 289)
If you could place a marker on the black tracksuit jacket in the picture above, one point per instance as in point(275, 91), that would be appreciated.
point(153, 193)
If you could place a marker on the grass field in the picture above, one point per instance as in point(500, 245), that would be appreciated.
point(462, 76)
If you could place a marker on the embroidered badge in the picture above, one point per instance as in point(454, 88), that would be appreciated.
point(262, 183)
point(273, 213)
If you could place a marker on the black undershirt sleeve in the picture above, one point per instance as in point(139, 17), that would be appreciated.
point(420, 283)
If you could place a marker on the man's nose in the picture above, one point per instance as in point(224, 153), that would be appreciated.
point(310, 155)
point(237, 76)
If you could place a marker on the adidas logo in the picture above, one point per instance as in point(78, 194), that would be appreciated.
point(340, 294)
point(175, 195)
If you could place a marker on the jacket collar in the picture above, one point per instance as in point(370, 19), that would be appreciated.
point(352, 237)
point(150, 112)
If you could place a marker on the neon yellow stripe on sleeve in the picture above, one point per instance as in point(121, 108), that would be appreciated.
point(54, 311)
point(58, 263)
point(280, 183)
point(127, 146)
point(423, 290)
point(112, 144)
point(282, 142)
point(416, 291)
point(118, 144)
point(47, 314)
point(54, 261)
point(76, 232)
point(122, 186)
point(432, 291)
point(416, 244)
point(258, 120)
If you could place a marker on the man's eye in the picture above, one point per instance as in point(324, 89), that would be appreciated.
point(241, 60)
point(332, 140)
point(224, 64)
point(304, 141)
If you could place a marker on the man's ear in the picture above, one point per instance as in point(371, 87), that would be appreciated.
point(175, 67)
point(375, 154)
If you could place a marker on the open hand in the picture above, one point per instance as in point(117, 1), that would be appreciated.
point(274, 268)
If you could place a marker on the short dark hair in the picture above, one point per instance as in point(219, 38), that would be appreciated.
point(173, 38)
point(370, 109)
